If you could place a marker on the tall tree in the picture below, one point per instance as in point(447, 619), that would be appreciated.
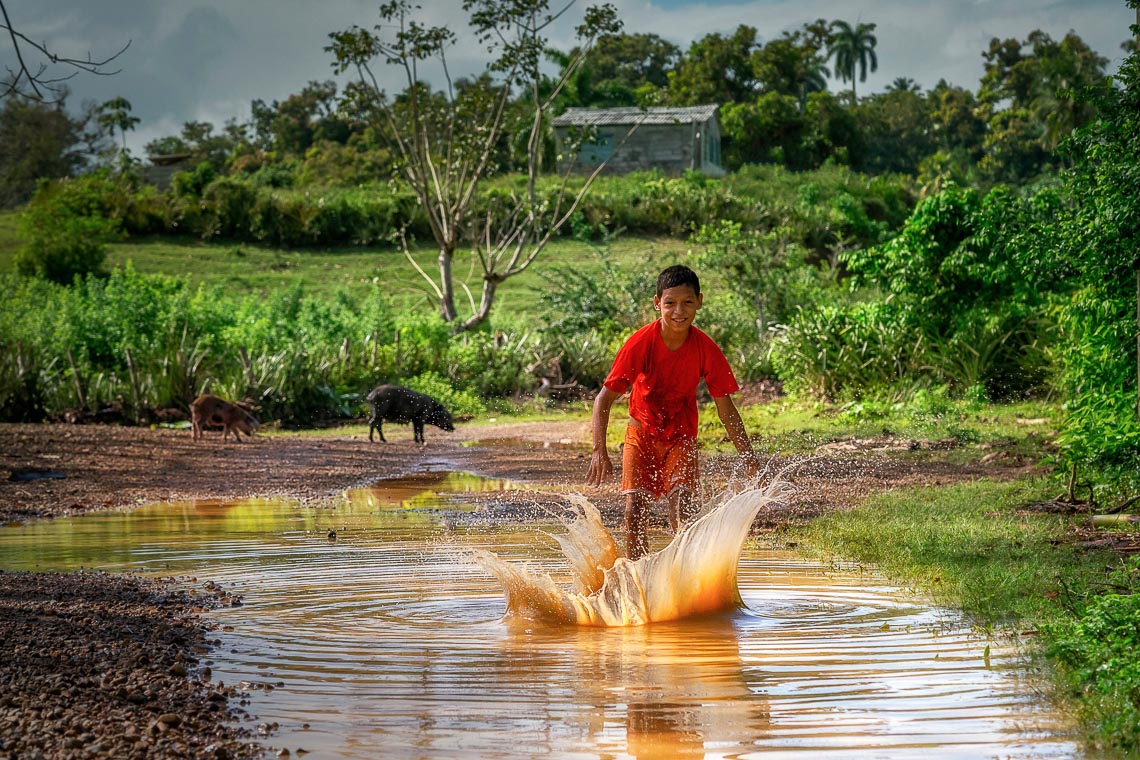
point(1027, 96)
point(621, 65)
point(904, 84)
point(792, 64)
point(40, 140)
point(854, 51)
point(446, 140)
point(115, 116)
point(896, 126)
point(716, 69)
point(1096, 242)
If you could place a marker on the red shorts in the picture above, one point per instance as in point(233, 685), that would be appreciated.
point(657, 467)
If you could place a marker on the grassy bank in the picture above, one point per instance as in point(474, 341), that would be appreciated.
point(982, 547)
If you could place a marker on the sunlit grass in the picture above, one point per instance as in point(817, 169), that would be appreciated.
point(792, 426)
point(967, 545)
point(242, 268)
point(978, 548)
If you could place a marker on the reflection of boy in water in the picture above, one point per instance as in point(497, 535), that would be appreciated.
point(664, 362)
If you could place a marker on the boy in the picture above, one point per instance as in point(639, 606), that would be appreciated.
point(664, 362)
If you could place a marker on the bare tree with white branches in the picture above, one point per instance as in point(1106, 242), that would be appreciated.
point(446, 140)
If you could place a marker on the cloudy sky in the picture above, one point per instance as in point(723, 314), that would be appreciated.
point(207, 59)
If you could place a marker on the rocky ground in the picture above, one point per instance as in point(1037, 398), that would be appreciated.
point(101, 665)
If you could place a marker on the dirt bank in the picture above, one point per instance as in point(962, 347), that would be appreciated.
point(54, 470)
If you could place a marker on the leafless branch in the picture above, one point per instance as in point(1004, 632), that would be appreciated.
point(40, 84)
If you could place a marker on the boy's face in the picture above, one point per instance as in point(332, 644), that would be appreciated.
point(678, 307)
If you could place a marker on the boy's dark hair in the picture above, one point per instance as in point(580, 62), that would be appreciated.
point(677, 275)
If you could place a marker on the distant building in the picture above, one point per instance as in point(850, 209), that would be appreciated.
point(669, 139)
point(163, 167)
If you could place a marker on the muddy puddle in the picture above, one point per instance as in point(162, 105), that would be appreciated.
point(389, 640)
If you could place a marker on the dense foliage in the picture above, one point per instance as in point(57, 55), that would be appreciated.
point(141, 344)
point(1097, 247)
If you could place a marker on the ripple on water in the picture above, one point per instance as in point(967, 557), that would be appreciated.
point(388, 638)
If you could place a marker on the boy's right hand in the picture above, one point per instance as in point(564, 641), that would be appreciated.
point(601, 468)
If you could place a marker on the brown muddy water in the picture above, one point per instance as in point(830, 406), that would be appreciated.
point(391, 641)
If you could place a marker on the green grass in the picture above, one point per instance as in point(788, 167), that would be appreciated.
point(242, 268)
point(796, 426)
point(965, 545)
point(976, 547)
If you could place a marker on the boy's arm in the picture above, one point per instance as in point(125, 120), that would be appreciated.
point(601, 468)
point(734, 426)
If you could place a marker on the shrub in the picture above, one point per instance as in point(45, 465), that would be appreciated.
point(66, 227)
point(1097, 652)
point(830, 350)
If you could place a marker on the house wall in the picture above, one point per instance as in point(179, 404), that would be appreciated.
point(671, 148)
point(160, 176)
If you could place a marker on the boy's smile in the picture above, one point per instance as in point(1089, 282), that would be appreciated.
point(678, 307)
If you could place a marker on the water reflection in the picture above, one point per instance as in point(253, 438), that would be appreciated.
point(391, 643)
point(675, 688)
point(425, 491)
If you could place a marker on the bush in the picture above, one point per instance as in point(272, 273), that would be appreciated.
point(831, 351)
point(458, 402)
point(1097, 653)
point(66, 227)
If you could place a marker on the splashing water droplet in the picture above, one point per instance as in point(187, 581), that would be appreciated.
point(694, 575)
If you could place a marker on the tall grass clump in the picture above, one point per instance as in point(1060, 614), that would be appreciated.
point(140, 344)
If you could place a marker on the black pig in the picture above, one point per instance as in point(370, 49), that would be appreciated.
point(394, 403)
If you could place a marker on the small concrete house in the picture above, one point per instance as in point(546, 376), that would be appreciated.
point(163, 167)
point(669, 139)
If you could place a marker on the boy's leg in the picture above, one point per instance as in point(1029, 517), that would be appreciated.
point(641, 470)
point(683, 476)
point(682, 508)
point(636, 516)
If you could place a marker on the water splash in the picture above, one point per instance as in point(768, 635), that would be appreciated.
point(694, 575)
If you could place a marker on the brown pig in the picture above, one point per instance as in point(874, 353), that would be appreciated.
point(209, 410)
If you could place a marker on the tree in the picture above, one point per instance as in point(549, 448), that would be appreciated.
point(955, 122)
point(767, 130)
point(1027, 96)
point(904, 84)
point(896, 126)
point(115, 116)
point(40, 140)
point(716, 69)
point(620, 65)
point(1097, 249)
point(853, 49)
point(792, 64)
point(40, 73)
point(446, 140)
point(830, 132)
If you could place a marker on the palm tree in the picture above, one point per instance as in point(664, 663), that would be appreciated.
point(114, 115)
point(853, 48)
point(904, 84)
point(813, 78)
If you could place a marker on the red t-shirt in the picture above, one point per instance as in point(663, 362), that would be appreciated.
point(664, 398)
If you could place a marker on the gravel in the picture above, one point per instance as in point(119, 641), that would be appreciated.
point(106, 665)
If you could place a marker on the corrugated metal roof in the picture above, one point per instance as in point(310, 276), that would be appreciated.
point(598, 117)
